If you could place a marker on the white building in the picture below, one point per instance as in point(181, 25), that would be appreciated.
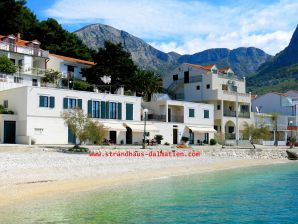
point(37, 115)
point(29, 59)
point(69, 67)
point(285, 105)
point(219, 87)
point(176, 119)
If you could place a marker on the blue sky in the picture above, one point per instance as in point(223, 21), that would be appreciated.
point(184, 26)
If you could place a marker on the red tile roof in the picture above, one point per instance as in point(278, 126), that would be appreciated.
point(19, 42)
point(280, 94)
point(73, 59)
point(206, 67)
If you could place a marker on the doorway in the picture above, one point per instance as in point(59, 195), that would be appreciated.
point(175, 136)
point(169, 114)
point(128, 135)
point(113, 137)
point(10, 132)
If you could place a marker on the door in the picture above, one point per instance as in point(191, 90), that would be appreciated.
point(128, 135)
point(175, 136)
point(9, 132)
point(169, 115)
point(71, 137)
point(206, 138)
point(186, 77)
point(113, 137)
point(191, 137)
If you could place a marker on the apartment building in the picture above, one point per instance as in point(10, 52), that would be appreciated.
point(177, 119)
point(218, 87)
point(30, 61)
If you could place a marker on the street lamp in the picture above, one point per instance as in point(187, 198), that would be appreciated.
point(145, 111)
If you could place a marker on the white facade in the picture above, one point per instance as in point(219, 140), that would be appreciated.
point(219, 87)
point(177, 119)
point(68, 66)
point(45, 125)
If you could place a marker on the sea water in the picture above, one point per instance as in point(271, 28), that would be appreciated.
point(264, 194)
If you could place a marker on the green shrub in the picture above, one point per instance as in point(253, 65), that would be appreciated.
point(213, 141)
point(167, 143)
point(184, 139)
point(6, 65)
point(82, 85)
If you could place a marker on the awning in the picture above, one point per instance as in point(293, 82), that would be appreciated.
point(114, 126)
point(140, 127)
point(202, 129)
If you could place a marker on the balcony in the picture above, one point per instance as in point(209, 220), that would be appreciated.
point(23, 50)
point(244, 115)
point(30, 71)
point(229, 113)
point(156, 117)
point(178, 119)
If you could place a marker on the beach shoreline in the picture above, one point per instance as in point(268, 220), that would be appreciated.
point(49, 173)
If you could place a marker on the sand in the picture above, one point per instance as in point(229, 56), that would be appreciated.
point(29, 173)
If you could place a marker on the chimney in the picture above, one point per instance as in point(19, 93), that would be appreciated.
point(18, 36)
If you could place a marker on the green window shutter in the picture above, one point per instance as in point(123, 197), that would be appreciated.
point(103, 109)
point(89, 108)
point(65, 103)
point(119, 111)
point(52, 101)
point(206, 113)
point(107, 109)
point(41, 101)
point(129, 111)
point(79, 103)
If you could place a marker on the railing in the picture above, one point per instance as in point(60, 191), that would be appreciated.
point(178, 119)
point(229, 113)
point(23, 49)
point(156, 117)
point(244, 114)
point(233, 77)
point(234, 93)
point(230, 136)
point(178, 96)
point(175, 83)
point(30, 71)
point(68, 74)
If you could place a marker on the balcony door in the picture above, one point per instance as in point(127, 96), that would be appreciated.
point(175, 136)
point(169, 115)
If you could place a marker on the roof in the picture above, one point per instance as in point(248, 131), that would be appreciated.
point(19, 42)
point(73, 59)
point(280, 94)
point(205, 67)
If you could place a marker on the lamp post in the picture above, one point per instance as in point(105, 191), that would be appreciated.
point(144, 134)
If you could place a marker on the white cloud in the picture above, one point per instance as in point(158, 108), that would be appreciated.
point(189, 27)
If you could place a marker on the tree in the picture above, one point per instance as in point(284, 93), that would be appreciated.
point(96, 132)
point(78, 123)
point(6, 65)
point(158, 138)
point(16, 17)
point(145, 83)
point(274, 121)
point(51, 76)
point(252, 133)
point(113, 61)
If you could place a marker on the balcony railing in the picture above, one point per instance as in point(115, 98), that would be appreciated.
point(23, 49)
point(230, 136)
point(244, 114)
point(178, 96)
point(233, 77)
point(30, 71)
point(178, 119)
point(229, 113)
point(157, 117)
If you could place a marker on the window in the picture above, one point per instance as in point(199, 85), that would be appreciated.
point(191, 112)
point(208, 86)
point(113, 110)
point(129, 111)
point(214, 71)
point(71, 103)
point(18, 79)
point(175, 77)
point(5, 103)
point(206, 113)
point(34, 82)
point(198, 87)
point(47, 101)
point(218, 107)
point(93, 109)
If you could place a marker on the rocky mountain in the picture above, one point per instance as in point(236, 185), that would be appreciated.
point(242, 60)
point(143, 54)
point(280, 73)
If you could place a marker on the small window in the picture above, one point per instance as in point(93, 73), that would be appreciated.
point(198, 87)
point(5, 103)
point(218, 107)
point(175, 77)
point(206, 113)
point(191, 112)
point(208, 86)
point(72, 103)
point(47, 101)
